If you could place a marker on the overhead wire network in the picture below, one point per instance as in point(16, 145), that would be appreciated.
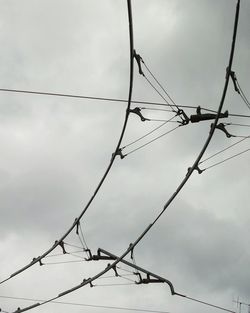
point(132, 246)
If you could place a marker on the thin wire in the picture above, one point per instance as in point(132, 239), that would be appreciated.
point(42, 93)
point(209, 304)
point(234, 144)
point(77, 256)
point(87, 305)
point(155, 109)
point(229, 158)
point(60, 254)
point(237, 124)
point(74, 246)
point(77, 220)
point(157, 81)
point(111, 285)
point(63, 262)
point(243, 97)
point(149, 133)
point(158, 137)
point(123, 269)
point(152, 85)
point(83, 238)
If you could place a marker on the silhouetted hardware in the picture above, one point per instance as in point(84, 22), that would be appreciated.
point(234, 80)
point(119, 152)
point(137, 111)
point(205, 116)
point(138, 59)
point(184, 117)
point(61, 244)
point(98, 256)
point(195, 168)
point(148, 280)
point(222, 127)
point(115, 269)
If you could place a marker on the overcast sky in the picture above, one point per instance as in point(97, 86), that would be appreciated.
point(55, 150)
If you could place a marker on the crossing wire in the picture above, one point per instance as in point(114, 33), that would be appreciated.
point(86, 305)
point(173, 196)
point(54, 94)
point(77, 220)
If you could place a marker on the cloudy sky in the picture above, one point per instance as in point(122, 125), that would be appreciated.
point(55, 150)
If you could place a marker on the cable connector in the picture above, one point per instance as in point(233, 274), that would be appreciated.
point(195, 118)
point(139, 59)
point(184, 117)
point(114, 269)
point(98, 256)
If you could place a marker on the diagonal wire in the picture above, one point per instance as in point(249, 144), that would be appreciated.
point(149, 142)
point(157, 81)
point(219, 152)
point(227, 159)
point(149, 133)
point(243, 97)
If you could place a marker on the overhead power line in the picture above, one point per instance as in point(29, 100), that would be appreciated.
point(111, 307)
point(65, 95)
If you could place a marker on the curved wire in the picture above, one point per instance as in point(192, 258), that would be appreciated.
point(179, 188)
point(77, 220)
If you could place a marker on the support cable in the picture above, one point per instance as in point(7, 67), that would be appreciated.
point(179, 188)
point(85, 305)
point(77, 220)
point(147, 134)
point(149, 142)
point(53, 94)
point(219, 152)
point(227, 159)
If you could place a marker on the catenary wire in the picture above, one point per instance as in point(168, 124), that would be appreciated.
point(86, 305)
point(219, 152)
point(77, 220)
point(53, 94)
point(179, 188)
point(227, 159)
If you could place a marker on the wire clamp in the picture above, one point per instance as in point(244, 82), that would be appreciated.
point(234, 80)
point(183, 116)
point(147, 280)
point(222, 127)
point(118, 152)
point(137, 111)
point(61, 244)
point(114, 269)
point(139, 59)
point(195, 168)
